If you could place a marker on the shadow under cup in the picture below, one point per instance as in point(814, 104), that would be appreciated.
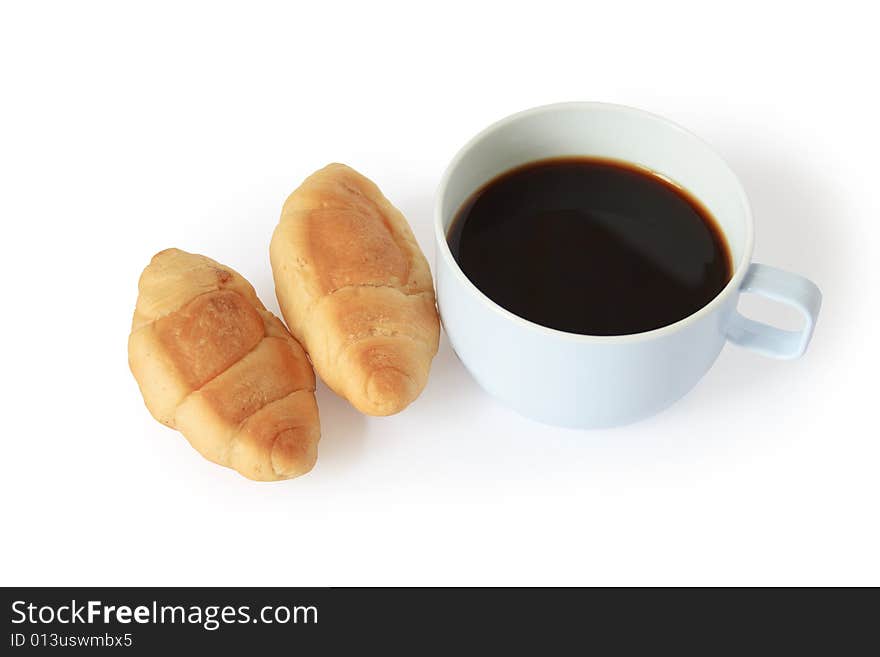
point(580, 380)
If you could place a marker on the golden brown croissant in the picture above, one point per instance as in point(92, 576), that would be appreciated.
point(356, 290)
point(214, 364)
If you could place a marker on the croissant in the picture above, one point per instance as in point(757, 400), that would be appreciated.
point(214, 364)
point(355, 290)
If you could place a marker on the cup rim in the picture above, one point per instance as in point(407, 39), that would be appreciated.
point(445, 253)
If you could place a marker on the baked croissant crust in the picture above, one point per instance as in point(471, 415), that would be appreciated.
point(355, 290)
point(214, 364)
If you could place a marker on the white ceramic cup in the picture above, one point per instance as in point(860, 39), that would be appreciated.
point(600, 381)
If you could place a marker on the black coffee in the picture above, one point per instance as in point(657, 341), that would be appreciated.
point(590, 246)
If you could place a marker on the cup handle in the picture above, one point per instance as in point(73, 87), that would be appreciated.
point(786, 288)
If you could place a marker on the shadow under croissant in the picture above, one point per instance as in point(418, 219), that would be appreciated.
point(343, 430)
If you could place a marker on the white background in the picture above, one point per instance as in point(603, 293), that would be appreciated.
point(127, 128)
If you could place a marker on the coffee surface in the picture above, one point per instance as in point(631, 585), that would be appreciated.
point(590, 246)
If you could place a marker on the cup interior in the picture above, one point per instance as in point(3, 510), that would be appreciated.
point(608, 131)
